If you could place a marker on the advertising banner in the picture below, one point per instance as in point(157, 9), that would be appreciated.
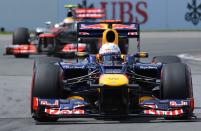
point(151, 14)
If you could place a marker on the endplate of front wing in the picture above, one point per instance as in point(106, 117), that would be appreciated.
point(169, 108)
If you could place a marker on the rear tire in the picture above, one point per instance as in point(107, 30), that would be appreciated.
point(123, 45)
point(46, 83)
point(93, 48)
point(166, 59)
point(92, 45)
point(21, 36)
point(176, 84)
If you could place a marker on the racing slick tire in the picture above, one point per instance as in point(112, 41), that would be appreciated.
point(21, 36)
point(123, 45)
point(92, 45)
point(45, 84)
point(176, 83)
point(166, 59)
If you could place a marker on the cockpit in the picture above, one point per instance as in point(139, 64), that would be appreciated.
point(111, 59)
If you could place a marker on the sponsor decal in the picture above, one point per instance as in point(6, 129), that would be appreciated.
point(49, 103)
point(164, 113)
point(152, 106)
point(178, 103)
point(148, 67)
point(121, 26)
point(194, 13)
point(64, 112)
point(127, 11)
point(95, 26)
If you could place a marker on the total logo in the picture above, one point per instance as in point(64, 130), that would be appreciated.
point(114, 79)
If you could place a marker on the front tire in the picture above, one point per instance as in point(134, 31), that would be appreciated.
point(45, 84)
point(176, 83)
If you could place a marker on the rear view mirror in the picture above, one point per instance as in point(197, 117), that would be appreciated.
point(141, 55)
point(48, 23)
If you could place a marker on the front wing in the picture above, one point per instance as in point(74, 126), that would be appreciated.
point(67, 108)
point(20, 49)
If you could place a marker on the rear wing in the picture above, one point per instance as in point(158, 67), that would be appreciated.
point(89, 13)
point(86, 13)
point(96, 29)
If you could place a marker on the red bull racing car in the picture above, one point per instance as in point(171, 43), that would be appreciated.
point(111, 84)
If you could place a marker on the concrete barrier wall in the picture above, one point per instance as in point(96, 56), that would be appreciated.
point(152, 14)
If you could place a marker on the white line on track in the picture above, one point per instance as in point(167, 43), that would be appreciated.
point(196, 57)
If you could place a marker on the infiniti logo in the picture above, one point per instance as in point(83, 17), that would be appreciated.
point(84, 5)
point(194, 13)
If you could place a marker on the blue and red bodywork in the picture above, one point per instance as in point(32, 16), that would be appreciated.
point(81, 107)
point(78, 108)
point(139, 92)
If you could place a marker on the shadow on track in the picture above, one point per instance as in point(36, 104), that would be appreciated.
point(112, 121)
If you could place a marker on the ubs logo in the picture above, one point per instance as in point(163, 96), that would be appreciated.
point(194, 13)
point(125, 10)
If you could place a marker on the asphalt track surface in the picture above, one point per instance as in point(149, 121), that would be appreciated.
point(15, 82)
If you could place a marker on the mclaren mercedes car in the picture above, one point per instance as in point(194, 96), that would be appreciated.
point(111, 84)
point(21, 45)
point(56, 40)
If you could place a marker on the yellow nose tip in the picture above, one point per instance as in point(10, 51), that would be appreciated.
point(113, 80)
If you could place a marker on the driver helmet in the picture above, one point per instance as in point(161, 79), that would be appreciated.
point(68, 22)
point(110, 52)
point(109, 48)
